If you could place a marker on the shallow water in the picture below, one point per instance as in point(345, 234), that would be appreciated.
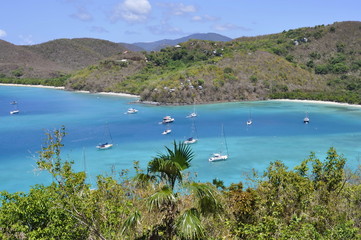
point(277, 133)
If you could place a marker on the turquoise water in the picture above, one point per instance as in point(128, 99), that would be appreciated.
point(277, 133)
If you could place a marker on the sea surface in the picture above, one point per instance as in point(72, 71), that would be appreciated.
point(277, 133)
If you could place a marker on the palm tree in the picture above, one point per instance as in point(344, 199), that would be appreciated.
point(165, 172)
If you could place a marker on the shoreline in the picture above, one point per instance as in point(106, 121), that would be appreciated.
point(29, 85)
point(63, 88)
point(316, 102)
point(158, 104)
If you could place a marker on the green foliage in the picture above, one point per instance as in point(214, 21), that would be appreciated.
point(322, 69)
point(165, 171)
point(318, 199)
point(56, 82)
point(306, 203)
point(18, 72)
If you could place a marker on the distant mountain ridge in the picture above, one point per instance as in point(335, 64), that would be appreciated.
point(53, 58)
point(157, 45)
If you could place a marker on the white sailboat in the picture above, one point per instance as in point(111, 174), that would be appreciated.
point(249, 121)
point(193, 138)
point(219, 156)
point(306, 120)
point(167, 130)
point(106, 145)
point(192, 114)
point(16, 110)
point(131, 111)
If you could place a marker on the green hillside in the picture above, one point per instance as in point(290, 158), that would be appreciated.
point(321, 62)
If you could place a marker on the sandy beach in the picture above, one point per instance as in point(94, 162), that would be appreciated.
point(62, 88)
point(317, 102)
point(29, 85)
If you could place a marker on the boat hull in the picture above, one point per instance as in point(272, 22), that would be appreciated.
point(217, 158)
point(190, 141)
point(104, 146)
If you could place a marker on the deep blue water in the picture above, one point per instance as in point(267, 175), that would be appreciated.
point(277, 133)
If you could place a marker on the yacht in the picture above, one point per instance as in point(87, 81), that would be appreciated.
point(167, 119)
point(167, 131)
point(103, 146)
point(192, 115)
point(217, 157)
point(14, 112)
point(190, 140)
point(132, 111)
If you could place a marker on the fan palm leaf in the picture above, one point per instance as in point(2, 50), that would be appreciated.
point(206, 197)
point(168, 167)
point(131, 223)
point(189, 225)
point(161, 198)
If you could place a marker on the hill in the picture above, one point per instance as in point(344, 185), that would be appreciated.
point(53, 58)
point(158, 45)
point(321, 62)
point(17, 61)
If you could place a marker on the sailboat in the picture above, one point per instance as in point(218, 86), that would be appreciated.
point(306, 120)
point(193, 138)
point(167, 130)
point(131, 111)
point(219, 156)
point(16, 110)
point(192, 114)
point(249, 122)
point(106, 145)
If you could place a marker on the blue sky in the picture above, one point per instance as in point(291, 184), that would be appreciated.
point(37, 21)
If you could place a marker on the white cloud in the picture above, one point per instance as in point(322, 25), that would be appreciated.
point(178, 9)
point(204, 18)
point(132, 11)
point(165, 28)
point(197, 18)
point(98, 29)
point(82, 14)
point(2, 33)
point(181, 9)
point(227, 27)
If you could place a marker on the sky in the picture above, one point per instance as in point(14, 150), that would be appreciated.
point(28, 22)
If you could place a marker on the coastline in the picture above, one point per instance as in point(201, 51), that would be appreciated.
point(63, 88)
point(29, 85)
point(156, 103)
point(316, 102)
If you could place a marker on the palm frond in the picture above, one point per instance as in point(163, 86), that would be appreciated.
point(166, 170)
point(206, 197)
point(162, 197)
point(181, 154)
point(131, 223)
point(189, 225)
point(143, 179)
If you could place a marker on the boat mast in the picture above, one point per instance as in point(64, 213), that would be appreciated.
point(225, 140)
point(194, 130)
point(110, 135)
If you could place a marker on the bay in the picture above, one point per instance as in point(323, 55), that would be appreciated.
point(277, 133)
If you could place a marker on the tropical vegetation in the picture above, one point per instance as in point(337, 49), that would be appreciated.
point(318, 199)
point(319, 63)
